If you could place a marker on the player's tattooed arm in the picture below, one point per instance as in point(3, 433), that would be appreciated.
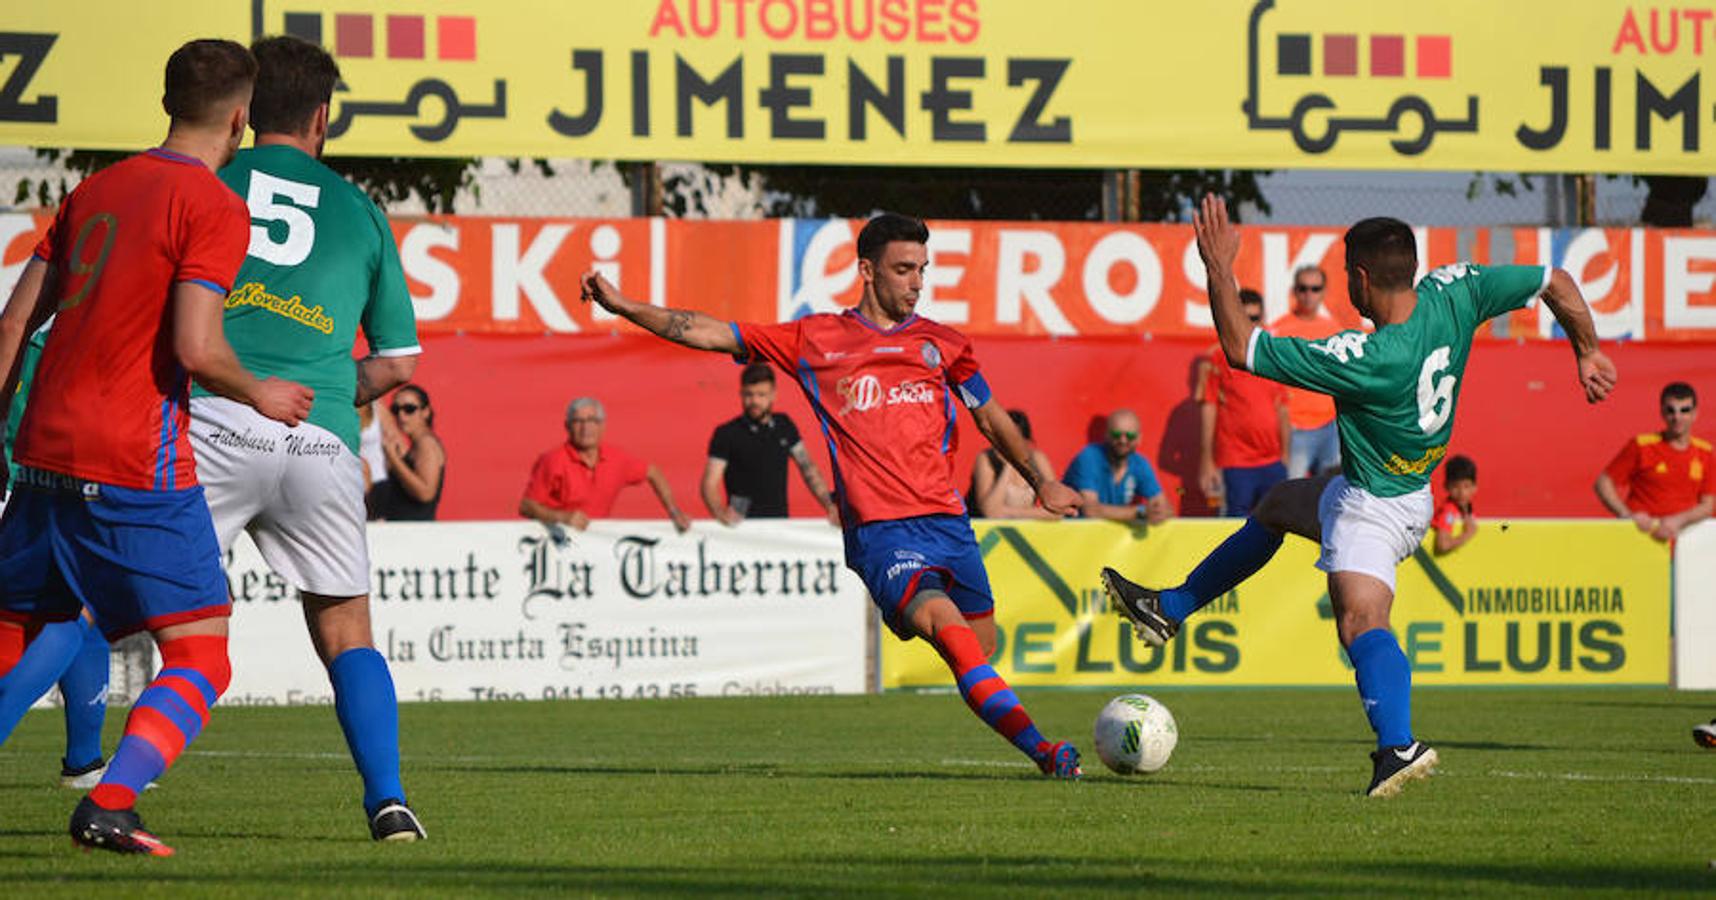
point(813, 480)
point(681, 326)
point(678, 322)
point(376, 375)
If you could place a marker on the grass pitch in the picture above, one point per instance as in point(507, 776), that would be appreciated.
point(1540, 791)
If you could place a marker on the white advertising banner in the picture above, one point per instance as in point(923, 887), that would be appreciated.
point(1695, 608)
point(507, 611)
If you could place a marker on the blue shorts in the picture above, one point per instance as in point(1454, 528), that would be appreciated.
point(137, 559)
point(899, 557)
point(1246, 486)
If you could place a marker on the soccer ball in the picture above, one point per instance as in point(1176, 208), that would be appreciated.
point(1135, 734)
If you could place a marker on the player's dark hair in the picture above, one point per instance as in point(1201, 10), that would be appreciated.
point(1386, 249)
point(1678, 390)
point(885, 229)
point(293, 78)
point(203, 74)
point(1250, 296)
point(1460, 468)
point(423, 396)
point(756, 373)
point(1023, 421)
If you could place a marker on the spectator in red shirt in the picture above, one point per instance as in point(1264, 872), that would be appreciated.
point(1669, 476)
point(578, 480)
point(1460, 480)
point(1245, 429)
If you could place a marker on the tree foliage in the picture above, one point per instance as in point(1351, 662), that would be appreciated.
point(387, 179)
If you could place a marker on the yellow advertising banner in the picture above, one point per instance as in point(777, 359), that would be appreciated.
point(1526, 85)
point(1526, 603)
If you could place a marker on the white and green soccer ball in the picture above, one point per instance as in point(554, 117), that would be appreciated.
point(1135, 734)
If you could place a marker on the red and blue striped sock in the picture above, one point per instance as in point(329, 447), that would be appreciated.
point(986, 693)
point(169, 715)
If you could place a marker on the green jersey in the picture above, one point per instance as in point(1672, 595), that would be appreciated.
point(321, 262)
point(1395, 389)
point(26, 375)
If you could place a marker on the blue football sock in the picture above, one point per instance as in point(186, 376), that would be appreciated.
point(1385, 686)
point(44, 660)
point(369, 715)
point(84, 686)
point(1236, 559)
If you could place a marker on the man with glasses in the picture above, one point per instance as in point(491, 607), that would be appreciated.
point(577, 481)
point(1115, 480)
point(1314, 446)
point(321, 262)
point(1669, 476)
point(1244, 428)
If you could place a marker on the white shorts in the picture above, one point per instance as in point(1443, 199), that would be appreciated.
point(298, 491)
point(1369, 534)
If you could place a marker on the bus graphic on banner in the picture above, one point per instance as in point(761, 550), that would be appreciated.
point(1351, 81)
point(366, 45)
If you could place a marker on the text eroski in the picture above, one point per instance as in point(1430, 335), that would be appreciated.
point(787, 94)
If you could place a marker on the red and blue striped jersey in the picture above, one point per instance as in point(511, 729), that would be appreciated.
point(109, 400)
point(885, 401)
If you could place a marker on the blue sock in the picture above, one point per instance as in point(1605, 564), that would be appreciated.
point(44, 660)
point(1385, 686)
point(84, 686)
point(1242, 554)
point(369, 715)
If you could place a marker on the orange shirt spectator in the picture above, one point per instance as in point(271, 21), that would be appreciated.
point(1315, 445)
point(1308, 410)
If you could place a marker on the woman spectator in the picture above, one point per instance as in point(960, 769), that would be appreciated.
point(998, 491)
point(416, 462)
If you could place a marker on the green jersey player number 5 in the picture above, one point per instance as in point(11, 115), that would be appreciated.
point(266, 192)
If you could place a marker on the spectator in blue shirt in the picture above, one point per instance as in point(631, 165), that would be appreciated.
point(1117, 482)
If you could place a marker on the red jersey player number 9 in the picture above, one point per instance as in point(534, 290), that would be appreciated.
point(92, 270)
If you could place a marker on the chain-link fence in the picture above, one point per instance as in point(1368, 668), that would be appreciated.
point(585, 188)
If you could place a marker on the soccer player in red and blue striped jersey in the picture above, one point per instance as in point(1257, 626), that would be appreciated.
point(884, 384)
point(108, 513)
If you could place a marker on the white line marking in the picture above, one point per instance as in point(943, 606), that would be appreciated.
point(1581, 776)
point(1620, 777)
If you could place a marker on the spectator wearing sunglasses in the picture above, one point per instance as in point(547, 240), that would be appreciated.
point(1116, 481)
point(577, 481)
point(1668, 477)
point(1314, 446)
point(1244, 428)
point(416, 462)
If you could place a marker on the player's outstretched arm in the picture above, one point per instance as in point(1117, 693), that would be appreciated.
point(1596, 373)
point(681, 326)
point(199, 342)
point(1218, 245)
point(998, 428)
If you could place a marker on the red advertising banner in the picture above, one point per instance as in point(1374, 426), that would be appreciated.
point(472, 274)
point(481, 275)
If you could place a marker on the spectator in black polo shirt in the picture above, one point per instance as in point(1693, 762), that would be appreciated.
point(748, 457)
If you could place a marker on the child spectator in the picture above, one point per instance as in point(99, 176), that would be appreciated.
point(1460, 481)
